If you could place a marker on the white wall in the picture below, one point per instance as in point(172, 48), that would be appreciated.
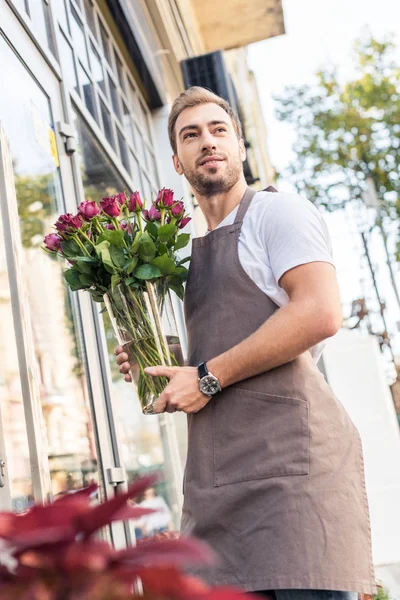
point(354, 369)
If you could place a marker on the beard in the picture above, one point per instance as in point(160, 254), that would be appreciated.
point(208, 184)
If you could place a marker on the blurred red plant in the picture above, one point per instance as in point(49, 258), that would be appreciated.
point(52, 553)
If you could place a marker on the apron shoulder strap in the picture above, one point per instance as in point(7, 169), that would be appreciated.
point(246, 200)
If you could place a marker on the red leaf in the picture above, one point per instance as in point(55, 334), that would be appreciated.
point(79, 496)
point(89, 555)
point(101, 515)
point(166, 552)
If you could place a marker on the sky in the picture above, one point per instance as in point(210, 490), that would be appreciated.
point(320, 32)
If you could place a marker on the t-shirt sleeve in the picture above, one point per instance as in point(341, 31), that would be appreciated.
point(294, 233)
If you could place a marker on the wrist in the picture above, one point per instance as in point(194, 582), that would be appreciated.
point(214, 365)
point(208, 382)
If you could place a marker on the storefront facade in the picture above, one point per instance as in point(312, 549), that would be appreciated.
point(83, 115)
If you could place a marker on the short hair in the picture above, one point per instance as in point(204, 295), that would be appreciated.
point(194, 96)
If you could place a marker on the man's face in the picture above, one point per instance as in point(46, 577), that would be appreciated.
point(209, 153)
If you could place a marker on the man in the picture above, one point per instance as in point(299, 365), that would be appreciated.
point(274, 475)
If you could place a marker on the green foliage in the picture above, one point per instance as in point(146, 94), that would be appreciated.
point(348, 131)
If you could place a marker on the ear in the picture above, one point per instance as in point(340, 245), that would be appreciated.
point(242, 149)
point(177, 164)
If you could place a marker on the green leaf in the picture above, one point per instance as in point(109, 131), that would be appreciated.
point(103, 251)
point(114, 236)
point(88, 259)
point(70, 248)
point(182, 272)
point(165, 264)
point(147, 248)
point(115, 280)
point(117, 256)
point(72, 277)
point(130, 265)
point(178, 289)
point(166, 232)
point(86, 279)
point(182, 241)
point(136, 242)
point(162, 249)
point(152, 228)
point(131, 281)
point(147, 272)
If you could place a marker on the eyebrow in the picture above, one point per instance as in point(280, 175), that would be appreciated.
point(215, 122)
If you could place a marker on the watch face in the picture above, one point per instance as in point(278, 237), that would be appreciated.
point(209, 385)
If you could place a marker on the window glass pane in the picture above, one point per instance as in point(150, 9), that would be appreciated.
point(88, 92)
point(114, 97)
point(90, 18)
point(146, 190)
point(55, 358)
point(107, 124)
point(78, 37)
point(133, 98)
point(140, 145)
point(61, 13)
point(21, 5)
point(144, 121)
point(40, 20)
point(122, 149)
point(126, 121)
point(120, 71)
point(105, 42)
point(97, 68)
point(68, 64)
point(152, 167)
point(135, 173)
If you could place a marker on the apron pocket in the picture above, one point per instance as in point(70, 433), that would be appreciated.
point(258, 435)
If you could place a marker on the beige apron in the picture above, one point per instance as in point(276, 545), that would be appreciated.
point(274, 478)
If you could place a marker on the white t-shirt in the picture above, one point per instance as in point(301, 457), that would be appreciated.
point(281, 231)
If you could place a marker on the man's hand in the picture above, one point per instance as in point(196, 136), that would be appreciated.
point(122, 360)
point(182, 393)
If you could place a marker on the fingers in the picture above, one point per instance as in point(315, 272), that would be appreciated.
point(121, 358)
point(160, 371)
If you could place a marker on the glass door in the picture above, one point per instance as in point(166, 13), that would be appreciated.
point(45, 404)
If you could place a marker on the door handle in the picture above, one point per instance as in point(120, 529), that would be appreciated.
point(2, 474)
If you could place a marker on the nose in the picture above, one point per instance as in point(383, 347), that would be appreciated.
point(208, 142)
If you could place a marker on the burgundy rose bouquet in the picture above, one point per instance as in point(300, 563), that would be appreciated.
point(128, 257)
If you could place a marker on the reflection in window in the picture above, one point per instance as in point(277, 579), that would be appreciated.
point(39, 12)
point(67, 63)
point(120, 71)
point(126, 121)
point(90, 18)
point(78, 37)
point(122, 149)
point(61, 13)
point(135, 172)
point(88, 93)
point(107, 124)
point(97, 68)
point(114, 97)
point(105, 42)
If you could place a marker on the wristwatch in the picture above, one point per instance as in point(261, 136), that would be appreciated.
point(208, 383)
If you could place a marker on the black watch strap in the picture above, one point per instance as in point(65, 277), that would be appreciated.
point(202, 370)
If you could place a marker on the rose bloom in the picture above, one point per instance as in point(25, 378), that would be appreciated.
point(184, 222)
point(177, 209)
point(165, 198)
point(53, 242)
point(88, 209)
point(152, 215)
point(68, 222)
point(120, 198)
point(135, 202)
point(110, 206)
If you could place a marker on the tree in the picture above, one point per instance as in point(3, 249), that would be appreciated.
point(348, 134)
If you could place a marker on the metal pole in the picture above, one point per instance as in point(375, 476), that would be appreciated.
point(381, 304)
